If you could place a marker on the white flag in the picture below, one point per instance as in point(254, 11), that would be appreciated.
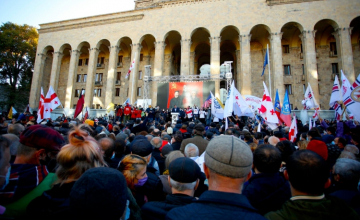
point(351, 96)
point(267, 109)
point(216, 109)
point(309, 99)
point(241, 108)
point(229, 103)
point(335, 94)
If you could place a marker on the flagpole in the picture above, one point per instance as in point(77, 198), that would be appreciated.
point(268, 57)
point(132, 83)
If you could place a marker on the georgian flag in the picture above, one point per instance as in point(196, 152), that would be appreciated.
point(267, 109)
point(51, 102)
point(293, 130)
point(40, 113)
point(130, 69)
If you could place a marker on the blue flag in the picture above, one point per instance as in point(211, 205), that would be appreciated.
point(277, 106)
point(265, 61)
point(126, 101)
point(286, 110)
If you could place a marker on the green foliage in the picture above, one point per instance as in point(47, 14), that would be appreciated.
point(17, 57)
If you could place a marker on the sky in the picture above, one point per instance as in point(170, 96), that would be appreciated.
point(35, 12)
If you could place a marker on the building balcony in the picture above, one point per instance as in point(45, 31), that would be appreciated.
point(120, 64)
point(98, 83)
point(333, 54)
point(118, 82)
point(100, 65)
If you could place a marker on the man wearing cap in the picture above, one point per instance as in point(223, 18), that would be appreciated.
point(28, 177)
point(227, 166)
point(183, 179)
point(153, 188)
point(198, 139)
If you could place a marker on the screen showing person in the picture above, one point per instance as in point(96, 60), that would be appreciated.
point(176, 100)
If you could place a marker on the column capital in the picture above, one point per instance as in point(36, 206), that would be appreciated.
point(243, 38)
point(136, 46)
point(116, 48)
point(274, 35)
point(159, 44)
point(186, 42)
point(345, 30)
point(307, 32)
point(59, 54)
point(42, 56)
point(76, 52)
point(215, 39)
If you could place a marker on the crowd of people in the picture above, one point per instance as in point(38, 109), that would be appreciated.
point(138, 165)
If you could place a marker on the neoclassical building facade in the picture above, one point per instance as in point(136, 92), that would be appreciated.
point(309, 41)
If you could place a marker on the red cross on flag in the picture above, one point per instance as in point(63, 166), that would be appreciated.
point(40, 113)
point(267, 109)
point(51, 102)
point(293, 130)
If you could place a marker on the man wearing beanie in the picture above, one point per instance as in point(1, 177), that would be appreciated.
point(198, 139)
point(37, 143)
point(227, 166)
point(183, 179)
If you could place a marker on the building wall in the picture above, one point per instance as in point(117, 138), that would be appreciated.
point(151, 19)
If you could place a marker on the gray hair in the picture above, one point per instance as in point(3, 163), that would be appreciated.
point(191, 150)
point(16, 129)
point(348, 170)
point(347, 154)
point(273, 140)
point(182, 186)
point(352, 148)
point(127, 131)
point(154, 142)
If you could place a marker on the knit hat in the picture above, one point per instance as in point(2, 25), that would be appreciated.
point(89, 122)
point(100, 193)
point(141, 147)
point(184, 170)
point(42, 137)
point(199, 127)
point(229, 156)
point(318, 147)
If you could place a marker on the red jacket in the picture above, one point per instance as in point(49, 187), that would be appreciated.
point(127, 110)
point(133, 113)
point(138, 113)
point(119, 112)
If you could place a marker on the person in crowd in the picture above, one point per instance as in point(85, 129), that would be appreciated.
point(100, 193)
point(346, 154)
point(189, 113)
point(317, 145)
point(81, 154)
point(340, 142)
point(139, 126)
point(301, 145)
point(183, 179)
point(308, 174)
point(346, 176)
point(202, 115)
point(150, 113)
point(198, 139)
point(267, 190)
point(107, 146)
point(227, 165)
point(16, 129)
point(164, 177)
point(152, 188)
point(353, 149)
point(258, 138)
point(273, 140)
point(126, 113)
point(14, 144)
point(28, 172)
point(176, 141)
point(4, 165)
point(330, 135)
point(119, 153)
point(191, 151)
point(213, 129)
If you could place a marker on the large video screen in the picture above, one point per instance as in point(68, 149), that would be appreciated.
point(183, 94)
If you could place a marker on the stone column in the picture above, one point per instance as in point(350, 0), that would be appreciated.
point(245, 58)
point(110, 81)
point(343, 39)
point(185, 56)
point(158, 68)
point(135, 53)
point(75, 54)
point(238, 68)
point(192, 63)
point(277, 74)
point(55, 69)
point(308, 41)
point(89, 90)
point(36, 81)
point(215, 61)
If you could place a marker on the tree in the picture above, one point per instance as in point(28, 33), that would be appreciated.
point(17, 57)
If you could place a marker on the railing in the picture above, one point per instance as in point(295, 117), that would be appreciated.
point(98, 83)
point(100, 65)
